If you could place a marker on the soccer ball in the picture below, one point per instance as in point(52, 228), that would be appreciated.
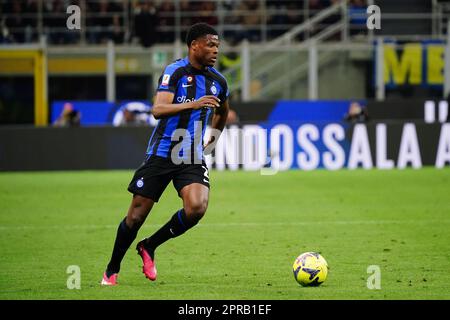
point(310, 269)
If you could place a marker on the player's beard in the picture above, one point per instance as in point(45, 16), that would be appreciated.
point(210, 62)
point(207, 59)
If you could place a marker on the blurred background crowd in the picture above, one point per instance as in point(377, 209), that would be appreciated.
point(148, 22)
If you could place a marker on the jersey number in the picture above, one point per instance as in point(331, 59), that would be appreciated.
point(206, 174)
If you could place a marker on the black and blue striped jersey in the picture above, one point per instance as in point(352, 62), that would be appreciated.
point(188, 84)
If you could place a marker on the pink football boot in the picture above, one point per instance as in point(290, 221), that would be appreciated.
point(111, 281)
point(149, 268)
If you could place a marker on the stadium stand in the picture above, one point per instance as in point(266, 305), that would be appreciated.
point(255, 20)
point(290, 49)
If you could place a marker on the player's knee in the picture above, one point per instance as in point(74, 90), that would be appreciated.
point(138, 212)
point(195, 211)
point(135, 221)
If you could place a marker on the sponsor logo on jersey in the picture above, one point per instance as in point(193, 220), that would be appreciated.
point(183, 99)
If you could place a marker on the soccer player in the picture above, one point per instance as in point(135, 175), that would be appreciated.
point(189, 90)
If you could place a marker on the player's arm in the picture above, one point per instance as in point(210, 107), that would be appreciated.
point(164, 105)
point(218, 122)
point(219, 118)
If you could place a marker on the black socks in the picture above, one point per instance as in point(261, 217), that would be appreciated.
point(124, 238)
point(176, 226)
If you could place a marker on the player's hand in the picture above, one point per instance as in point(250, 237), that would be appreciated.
point(206, 101)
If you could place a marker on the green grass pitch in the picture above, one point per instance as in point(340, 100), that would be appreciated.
point(246, 244)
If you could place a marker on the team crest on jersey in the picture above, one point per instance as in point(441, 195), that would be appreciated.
point(140, 183)
point(189, 79)
point(165, 80)
point(213, 89)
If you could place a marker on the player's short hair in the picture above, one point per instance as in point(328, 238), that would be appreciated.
point(199, 30)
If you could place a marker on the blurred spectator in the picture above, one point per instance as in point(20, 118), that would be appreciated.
point(134, 114)
point(117, 35)
point(357, 16)
point(357, 113)
point(207, 13)
point(165, 19)
point(293, 17)
point(145, 23)
point(276, 17)
point(232, 21)
point(31, 10)
point(332, 19)
point(14, 23)
point(5, 35)
point(245, 20)
point(284, 15)
point(56, 22)
point(315, 6)
point(47, 19)
point(106, 22)
point(100, 22)
point(186, 9)
point(69, 117)
point(251, 19)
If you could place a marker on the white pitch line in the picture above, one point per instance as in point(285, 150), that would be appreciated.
point(235, 224)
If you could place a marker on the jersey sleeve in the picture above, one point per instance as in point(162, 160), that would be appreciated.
point(223, 96)
point(169, 79)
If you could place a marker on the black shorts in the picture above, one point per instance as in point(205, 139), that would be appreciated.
point(152, 177)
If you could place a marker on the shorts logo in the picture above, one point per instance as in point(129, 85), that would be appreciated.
point(213, 89)
point(140, 183)
point(206, 174)
point(165, 80)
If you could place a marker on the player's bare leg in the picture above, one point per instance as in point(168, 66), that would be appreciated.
point(195, 202)
point(138, 211)
point(126, 233)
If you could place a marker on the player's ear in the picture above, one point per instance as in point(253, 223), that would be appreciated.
point(194, 44)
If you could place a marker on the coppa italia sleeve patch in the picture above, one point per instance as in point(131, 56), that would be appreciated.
point(165, 80)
